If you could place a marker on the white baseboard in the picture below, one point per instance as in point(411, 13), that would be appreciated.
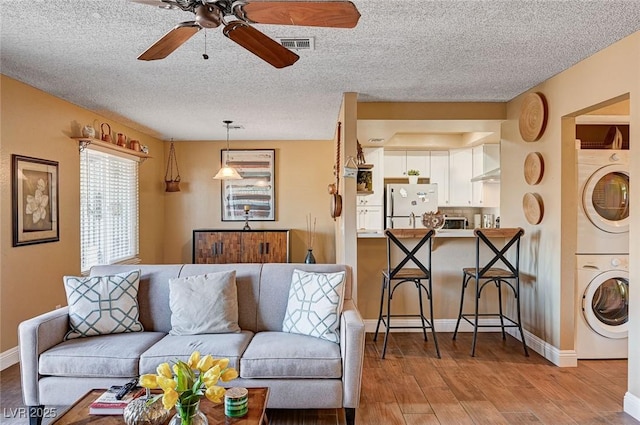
point(9, 358)
point(632, 405)
point(561, 358)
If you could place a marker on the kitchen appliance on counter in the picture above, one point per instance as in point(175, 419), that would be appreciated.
point(405, 204)
point(455, 223)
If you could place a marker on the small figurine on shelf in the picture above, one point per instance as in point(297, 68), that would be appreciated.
point(247, 208)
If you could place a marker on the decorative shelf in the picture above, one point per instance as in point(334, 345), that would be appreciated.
point(85, 141)
point(365, 166)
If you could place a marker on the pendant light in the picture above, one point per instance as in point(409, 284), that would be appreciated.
point(227, 172)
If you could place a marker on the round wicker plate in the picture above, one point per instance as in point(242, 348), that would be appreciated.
point(533, 207)
point(533, 117)
point(533, 168)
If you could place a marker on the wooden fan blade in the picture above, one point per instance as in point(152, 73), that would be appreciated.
point(170, 41)
point(335, 14)
point(259, 44)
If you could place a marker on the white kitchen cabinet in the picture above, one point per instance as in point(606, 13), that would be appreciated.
point(369, 218)
point(460, 175)
point(439, 174)
point(485, 158)
point(397, 163)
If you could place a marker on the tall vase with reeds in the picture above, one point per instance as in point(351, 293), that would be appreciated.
point(311, 235)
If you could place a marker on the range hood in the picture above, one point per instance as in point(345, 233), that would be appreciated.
point(492, 176)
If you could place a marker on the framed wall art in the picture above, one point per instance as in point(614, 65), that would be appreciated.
point(255, 191)
point(35, 200)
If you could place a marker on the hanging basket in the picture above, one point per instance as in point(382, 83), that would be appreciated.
point(172, 183)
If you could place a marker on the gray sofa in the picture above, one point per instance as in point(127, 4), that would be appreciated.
point(301, 371)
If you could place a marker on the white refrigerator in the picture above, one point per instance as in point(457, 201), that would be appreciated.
point(405, 204)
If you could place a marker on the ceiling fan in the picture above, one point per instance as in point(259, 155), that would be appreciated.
point(213, 13)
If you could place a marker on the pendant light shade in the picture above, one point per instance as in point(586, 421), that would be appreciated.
point(227, 172)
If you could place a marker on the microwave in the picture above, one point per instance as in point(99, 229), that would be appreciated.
point(455, 223)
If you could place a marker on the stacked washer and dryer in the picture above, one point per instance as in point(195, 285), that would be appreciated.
point(602, 256)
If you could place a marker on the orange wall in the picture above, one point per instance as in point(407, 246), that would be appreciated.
point(39, 125)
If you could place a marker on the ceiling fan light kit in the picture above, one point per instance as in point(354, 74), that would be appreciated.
point(212, 14)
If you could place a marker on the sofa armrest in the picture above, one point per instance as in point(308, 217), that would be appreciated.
point(34, 337)
point(352, 349)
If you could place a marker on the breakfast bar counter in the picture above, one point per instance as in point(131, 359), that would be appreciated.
point(452, 250)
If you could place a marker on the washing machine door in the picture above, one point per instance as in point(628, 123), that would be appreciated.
point(605, 304)
point(605, 198)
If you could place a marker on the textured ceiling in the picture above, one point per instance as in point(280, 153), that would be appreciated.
point(85, 51)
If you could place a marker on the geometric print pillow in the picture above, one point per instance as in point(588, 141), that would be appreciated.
point(315, 303)
point(102, 305)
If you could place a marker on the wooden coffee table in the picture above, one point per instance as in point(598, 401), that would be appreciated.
point(258, 397)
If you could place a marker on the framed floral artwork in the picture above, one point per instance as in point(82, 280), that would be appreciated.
point(35, 200)
point(255, 193)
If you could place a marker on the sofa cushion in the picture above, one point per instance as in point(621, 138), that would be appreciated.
point(100, 305)
point(115, 355)
point(172, 348)
point(204, 304)
point(315, 302)
point(286, 355)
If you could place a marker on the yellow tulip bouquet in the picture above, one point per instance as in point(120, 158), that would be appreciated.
point(185, 383)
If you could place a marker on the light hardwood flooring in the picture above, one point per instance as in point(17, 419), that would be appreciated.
point(498, 386)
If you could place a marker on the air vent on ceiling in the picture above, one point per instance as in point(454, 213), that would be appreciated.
point(304, 43)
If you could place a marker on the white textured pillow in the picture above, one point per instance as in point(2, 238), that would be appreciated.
point(100, 305)
point(204, 304)
point(315, 303)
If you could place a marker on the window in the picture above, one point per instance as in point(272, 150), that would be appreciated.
point(108, 209)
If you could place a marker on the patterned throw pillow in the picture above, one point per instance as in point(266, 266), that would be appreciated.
point(315, 303)
point(100, 305)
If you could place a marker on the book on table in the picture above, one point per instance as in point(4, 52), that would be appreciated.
point(107, 404)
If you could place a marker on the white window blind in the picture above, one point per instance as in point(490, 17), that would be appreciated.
point(108, 209)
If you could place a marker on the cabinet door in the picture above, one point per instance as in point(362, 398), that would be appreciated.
point(275, 248)
point(460, 175)
point(264, 247)
point(439, 161)
point(216, 247)
point(375, 156)
point(478, 168)
point(395, 163)
point(369, 218)
point(419, 160)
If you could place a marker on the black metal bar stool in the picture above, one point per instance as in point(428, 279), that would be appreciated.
point(392, 277)
point(483, 275)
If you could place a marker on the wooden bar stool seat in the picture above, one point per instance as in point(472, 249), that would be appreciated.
point(395, 276)
point(486, 274)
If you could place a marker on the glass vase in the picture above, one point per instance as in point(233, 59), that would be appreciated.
point(310, 259)
point(189, 414)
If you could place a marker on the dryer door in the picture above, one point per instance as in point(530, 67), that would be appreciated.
point(605, 304)
point(605, 198)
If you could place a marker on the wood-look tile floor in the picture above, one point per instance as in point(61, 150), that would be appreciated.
point(413, 387)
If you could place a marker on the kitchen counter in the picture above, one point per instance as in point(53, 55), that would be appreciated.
point(442, 233)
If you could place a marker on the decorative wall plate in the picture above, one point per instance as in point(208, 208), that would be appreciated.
point(533, 207)
point(533, 168)
point(533, 117)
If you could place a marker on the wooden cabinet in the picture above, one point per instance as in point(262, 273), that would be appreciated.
point(246, 246)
